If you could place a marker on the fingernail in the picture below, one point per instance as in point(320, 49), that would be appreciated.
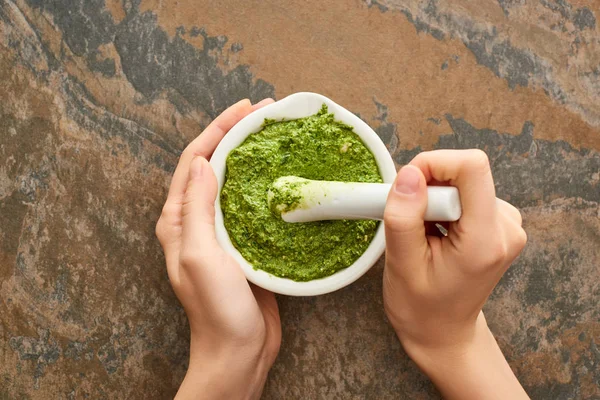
point(262, 103)
point(196, 167)
point(245, 102)
point(407, 181)
point(265, 101)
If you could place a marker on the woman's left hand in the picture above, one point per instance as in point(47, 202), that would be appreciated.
point(235, 326)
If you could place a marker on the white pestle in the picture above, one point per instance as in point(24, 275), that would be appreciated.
point(325, 200)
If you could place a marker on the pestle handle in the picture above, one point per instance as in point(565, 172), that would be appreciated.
point(324, 200)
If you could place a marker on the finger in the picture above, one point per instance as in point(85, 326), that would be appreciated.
point(406, 242)
point(198, 240)
point(270, 310)
point(264, 297)
point(262, 103)
point(169, 242)
point(204, 145)
point(268, 304)
point(510, 211)
point(469, 171)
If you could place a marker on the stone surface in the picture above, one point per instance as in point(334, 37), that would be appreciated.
point(99, 97)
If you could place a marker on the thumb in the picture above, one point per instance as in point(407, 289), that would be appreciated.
point(406, 241)
point(198, 212)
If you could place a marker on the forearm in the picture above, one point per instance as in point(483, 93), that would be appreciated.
point(478, 371)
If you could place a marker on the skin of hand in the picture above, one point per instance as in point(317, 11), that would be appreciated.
point(235, 326)
point(434, 287)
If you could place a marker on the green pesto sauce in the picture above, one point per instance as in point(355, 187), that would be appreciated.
point(316, 147)
point(285, 198)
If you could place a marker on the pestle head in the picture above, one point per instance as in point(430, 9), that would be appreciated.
point(285, 194)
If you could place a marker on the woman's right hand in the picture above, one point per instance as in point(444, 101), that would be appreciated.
point(435, 287)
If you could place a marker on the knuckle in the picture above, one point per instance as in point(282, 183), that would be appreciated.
point(518, 215)
point(420, 156)
point(521, 239)
point(168, 216)
point(514, 211)
point(199, 256)
point(425, 157)
point(389, 218)
point(159, 229)
point(189, 258)
point(402, 224)
point(169, 212)
point(189, 195)
point(396, 220)
point(479, 159)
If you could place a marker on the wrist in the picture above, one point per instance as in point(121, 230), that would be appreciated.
point(224, 372)
point(448, 345)
point(471, 368)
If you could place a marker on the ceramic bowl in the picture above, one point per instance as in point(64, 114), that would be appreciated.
point(292, 107)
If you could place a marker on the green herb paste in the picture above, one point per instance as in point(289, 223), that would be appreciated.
point(316, 147)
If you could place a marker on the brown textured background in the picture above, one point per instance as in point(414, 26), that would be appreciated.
point(99, 97)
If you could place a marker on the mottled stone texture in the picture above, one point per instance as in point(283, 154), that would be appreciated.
point(99, 97)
